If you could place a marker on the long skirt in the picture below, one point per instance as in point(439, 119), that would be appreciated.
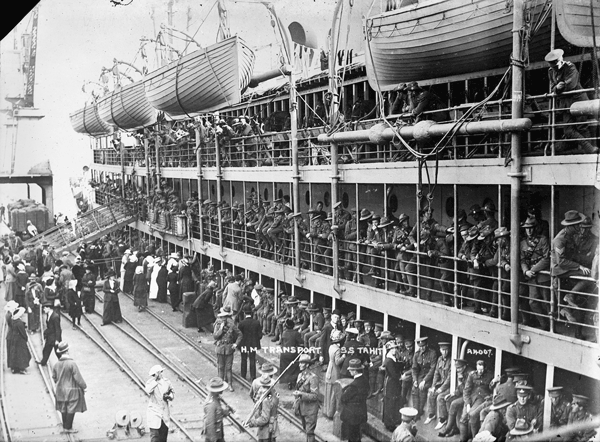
point(19, 355)
point(89, 301)
point(392, 402)
point(33, 319)
point(329, 400)
point(291, 375)
point(205, 316)
point(112, 310)
point(11, 288)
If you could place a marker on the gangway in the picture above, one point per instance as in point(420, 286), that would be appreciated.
point(88, 227)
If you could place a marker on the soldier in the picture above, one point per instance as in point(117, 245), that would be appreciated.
point(526, 408)
point(564, 77)
point(482, 251)
point(303, 231)
point(306, 398)
point(495, 421)
point(501, 263)
point(287, 235)
point(404, 243)
point(405, 432)
point(275, 232)
point(489, 210)
point(535, 257)
point(266, 223)
point(440, 386)
point(319, 234)
point(451, 412)
point(477, 388)
point(579, 414)
point(407, 356)
point(446, 264)
point(266, 415)
point(215, 411)
point(250, 220)
point(423, 369)
point(237, 223)
point(560, 407)
point(377, 239)
point(226, 223)
point(267, 371)
point(476, 212)
point(350, 247)
point(227, 338)
point(363, 228)
point(564, 264)
point(316, 324)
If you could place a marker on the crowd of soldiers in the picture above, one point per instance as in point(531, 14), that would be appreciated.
point(388, 249)
point(398, 369)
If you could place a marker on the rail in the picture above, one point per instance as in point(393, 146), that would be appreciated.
point(88, 226)
point(554, 132)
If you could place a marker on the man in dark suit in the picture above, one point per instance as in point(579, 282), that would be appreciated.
point(251, 333)
point(354, 402)
point(52, 334)
point(353, 349)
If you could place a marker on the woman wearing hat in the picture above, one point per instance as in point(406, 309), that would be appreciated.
point(74, 302)
point(333, 371)
point(186, 281)
point(112, 306)
point(70, 387)
point(140, 289)
point(88, 290)
point(392, 387)
point(291, 342)
point(128, 273)
point(162, 280)
point(18, 355)
point(173, 286)
point(33, 295)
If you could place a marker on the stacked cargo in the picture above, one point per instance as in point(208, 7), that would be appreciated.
point(23, 210)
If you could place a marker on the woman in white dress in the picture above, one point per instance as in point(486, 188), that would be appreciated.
point(153, 284)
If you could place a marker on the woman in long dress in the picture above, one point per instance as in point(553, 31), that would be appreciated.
point(10, 307)
point(173, 287)
point(130, 267)
point(32, 299)
point(112, 307)
point(18, 354)
point(290, 338)
point(140, 289)
point(336, 359)
point(203, 307)
point(162, 282)
point(392, 396)
point(153, 279)
point(186, 281)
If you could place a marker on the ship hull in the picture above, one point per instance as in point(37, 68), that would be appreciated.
point(205, 80)
point(127, 108)
point(87, 121)
point(441, 38)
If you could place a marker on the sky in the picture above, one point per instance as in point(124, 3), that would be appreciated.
point(76, 38)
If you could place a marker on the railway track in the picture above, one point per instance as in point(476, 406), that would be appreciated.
point(16, 392)
point(134, 359)
point(285, 413)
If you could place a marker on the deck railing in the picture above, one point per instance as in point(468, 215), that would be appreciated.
point(553, 133)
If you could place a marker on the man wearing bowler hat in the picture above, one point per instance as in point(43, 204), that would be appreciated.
point(354, 402)
point(564, 78)
point(52, 333)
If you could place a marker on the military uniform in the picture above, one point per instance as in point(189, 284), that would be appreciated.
point(535, 257)
point(308, 408)
point(477, 388)
point(423, 368)
point(265, 418)
point(441, 383)
point(350, 236)
point(530, 411)
point(214, 413)
point(559, 413)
